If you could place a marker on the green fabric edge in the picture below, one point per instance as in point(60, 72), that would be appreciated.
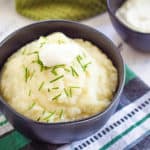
point(118, 137)
point(13, 141)
point(130, 75)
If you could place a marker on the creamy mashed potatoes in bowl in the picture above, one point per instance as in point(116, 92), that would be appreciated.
point(60, 81)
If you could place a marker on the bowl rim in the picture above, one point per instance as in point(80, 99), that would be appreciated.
point(109, 8)
point(84, 120)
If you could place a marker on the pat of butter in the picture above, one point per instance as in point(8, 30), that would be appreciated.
point(52, 54)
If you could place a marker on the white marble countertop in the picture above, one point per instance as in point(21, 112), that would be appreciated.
point(137, 61)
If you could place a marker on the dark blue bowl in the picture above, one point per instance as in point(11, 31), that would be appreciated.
point(139, 41)
point(66, 131)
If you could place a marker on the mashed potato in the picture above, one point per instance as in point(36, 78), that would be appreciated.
point(78, 89)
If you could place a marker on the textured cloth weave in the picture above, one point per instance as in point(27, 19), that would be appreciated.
point(60, 9)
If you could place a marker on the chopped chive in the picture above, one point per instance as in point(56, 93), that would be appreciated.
point(74, 73)
point(27, 74)
point(59, 66)
point(60, 41)
point(32, 74)
point(24, 51)
point(31, 53)
point(56, 67)
point(70, 90)
point(56, 78)
point(38, 119)
point(79, 58)
point(49, 116)
point(39, 62)
point(43, 112)
point(56, 97)
point(43, 42)
point(41, 85)
point(67, 70)
point(86, 65)
point(31, 106)
point(48, 90)
point(66, 92)
point(55, 88)
point(54, 72)
point(74, 87)
point(29, 94)
point(61, 113)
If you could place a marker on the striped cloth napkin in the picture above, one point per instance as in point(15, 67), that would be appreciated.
point(129, 125)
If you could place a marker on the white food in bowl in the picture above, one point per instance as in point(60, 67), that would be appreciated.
point(58, 90)
point(135, 14)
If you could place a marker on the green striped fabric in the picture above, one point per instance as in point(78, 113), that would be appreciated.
point(15, 140)
point(114, 140)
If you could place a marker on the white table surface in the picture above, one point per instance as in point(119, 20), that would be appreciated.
point(137, 61)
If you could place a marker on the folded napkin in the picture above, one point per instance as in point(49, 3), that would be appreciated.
point(60, 9)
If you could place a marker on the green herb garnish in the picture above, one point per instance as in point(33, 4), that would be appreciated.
point(67, 70)
point(54, 72)
point(43, 112)
point(31, 106)
point(43, 42)
point(27, 74)
point(69, 91)
point(66, 92)
point(24, 51)
point(60, 41)
point(31, 53)
point(56, 67)
point(86, 65)
point(39, 62)
point(38, 119)
point(79, 58)
point(74, 73)
point(61, 113)
point(49, 116)
point(74, 87)
point(32, 74)
point(48, 90)
point(56, 97)
point(55, 88)
point(41, 85)
point(56, 79)
point(29, 94)
point(71, 88)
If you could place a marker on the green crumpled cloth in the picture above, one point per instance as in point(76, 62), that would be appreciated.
point(60, 9)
